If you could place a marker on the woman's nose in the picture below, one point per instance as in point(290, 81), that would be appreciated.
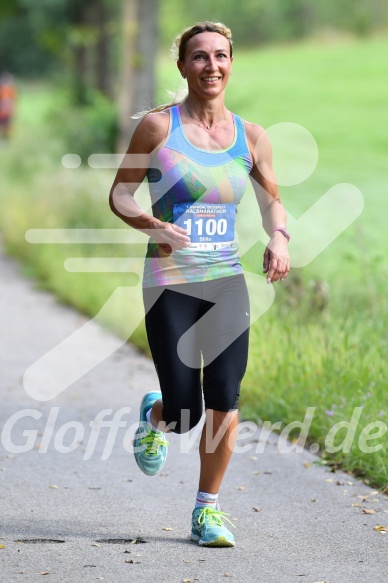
point(211, 64)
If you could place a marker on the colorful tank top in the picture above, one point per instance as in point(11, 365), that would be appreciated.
point(200, 191)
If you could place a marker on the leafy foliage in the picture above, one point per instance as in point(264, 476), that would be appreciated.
point(84, 129)
point(262, 21)
point(50, 28)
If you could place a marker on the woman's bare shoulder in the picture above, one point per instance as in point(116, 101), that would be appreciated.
point(152, 130)
point(258, 140)
point(253, 130)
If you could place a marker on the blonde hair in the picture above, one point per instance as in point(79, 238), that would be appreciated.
point(178, 51)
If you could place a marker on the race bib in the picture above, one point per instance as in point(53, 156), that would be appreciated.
point(209, 226)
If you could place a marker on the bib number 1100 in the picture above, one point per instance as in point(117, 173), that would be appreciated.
point(206, 227)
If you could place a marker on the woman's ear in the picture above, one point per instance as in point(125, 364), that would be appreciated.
point(181, 69)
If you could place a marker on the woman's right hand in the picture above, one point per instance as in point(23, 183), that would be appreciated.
point(171, 238)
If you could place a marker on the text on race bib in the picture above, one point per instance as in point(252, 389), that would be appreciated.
point(209, 226)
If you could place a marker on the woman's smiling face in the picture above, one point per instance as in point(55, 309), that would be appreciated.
point(207, 64)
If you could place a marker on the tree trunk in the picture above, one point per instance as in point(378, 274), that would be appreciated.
point(79, 20)
point(139, 50)
point(130, 24)
point(103, 57)
point(147, 47)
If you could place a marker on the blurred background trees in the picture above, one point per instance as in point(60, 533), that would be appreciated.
point(101, 52)
point(86, 33)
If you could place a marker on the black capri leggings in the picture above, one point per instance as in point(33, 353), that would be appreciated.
point(189, 322)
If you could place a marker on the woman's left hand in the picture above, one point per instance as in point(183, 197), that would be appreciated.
point(276, 263)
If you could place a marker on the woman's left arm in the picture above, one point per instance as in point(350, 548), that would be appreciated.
point(276, 261)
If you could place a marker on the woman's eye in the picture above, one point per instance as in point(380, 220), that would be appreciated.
point(199, 57)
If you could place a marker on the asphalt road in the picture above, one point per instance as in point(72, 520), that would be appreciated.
point(67, 477)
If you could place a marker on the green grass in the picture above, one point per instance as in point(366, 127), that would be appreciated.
point(311, 349)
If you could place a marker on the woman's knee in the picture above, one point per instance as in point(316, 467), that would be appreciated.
point(182, 420)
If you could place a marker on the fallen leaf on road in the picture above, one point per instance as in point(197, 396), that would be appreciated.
point(356, 504)
point(313, 500)
point(186, 561)
point(328, 480)
point(256, 509)
point(240, 488)
point(256, 473)
point(43, 573)
point(368, 511)
point(95, 545)
point(186, 580)
point(166, 528)
point(306, 465)
point(228, 575)
point(381, 528)
point(2, 547)
point(53, 486)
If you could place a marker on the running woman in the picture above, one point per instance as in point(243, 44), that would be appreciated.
point(199, 157)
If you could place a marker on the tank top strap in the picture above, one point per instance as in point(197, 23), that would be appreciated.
point(174, 118)
point(175, 140)
point(239, 149)
point(241, 141)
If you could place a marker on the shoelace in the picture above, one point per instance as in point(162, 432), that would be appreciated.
point(153, 442)
point(213, 516)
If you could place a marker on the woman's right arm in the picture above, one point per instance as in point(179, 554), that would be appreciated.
point(149, 133)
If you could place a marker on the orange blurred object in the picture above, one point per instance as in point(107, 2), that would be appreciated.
point(7, 103)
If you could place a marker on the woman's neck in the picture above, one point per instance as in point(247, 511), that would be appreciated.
point(208, 113)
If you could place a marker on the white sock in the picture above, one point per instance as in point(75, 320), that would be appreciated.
point(148, 417)
point(206, 500)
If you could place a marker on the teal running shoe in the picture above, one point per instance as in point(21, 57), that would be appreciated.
point(208, 530)
point(150, 447)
